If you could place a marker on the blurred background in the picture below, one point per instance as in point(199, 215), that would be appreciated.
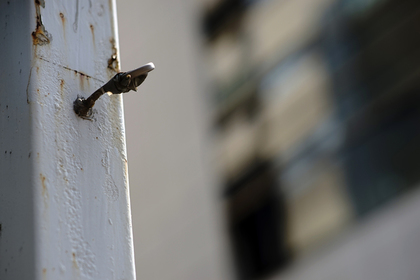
point(276, 139)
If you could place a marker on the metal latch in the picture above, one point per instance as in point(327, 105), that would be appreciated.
point(120, 83)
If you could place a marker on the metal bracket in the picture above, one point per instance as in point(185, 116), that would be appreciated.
point(120, 83)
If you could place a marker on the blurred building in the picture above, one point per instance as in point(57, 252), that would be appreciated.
point(316, 119)
point(309, 110)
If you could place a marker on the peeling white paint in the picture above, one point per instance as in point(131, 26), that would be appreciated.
point(81, 224)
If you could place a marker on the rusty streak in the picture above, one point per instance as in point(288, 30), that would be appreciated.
point(62, 85)
point(68, 68)
point(44, 188)
point(74, 261)
point(92, 30)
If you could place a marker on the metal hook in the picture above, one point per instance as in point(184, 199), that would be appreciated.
point(120, 83)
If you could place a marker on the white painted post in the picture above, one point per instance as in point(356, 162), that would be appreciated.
point(64, 200)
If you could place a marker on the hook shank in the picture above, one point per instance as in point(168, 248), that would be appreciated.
point(120, 83)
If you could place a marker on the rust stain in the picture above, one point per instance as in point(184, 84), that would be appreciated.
point(62, 85)
point(92, 30)
point(74, 260)
point(44, 273)
point(83, 78)
point(40, 36)
point(63, 21)
point(44, 190)
point(82, 82)
point(44, 187)
point(113, 63)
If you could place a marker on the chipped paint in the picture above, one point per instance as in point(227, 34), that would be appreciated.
point(113, 63)
point(40, 36)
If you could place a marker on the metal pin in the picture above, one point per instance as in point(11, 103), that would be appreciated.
point(120, 83)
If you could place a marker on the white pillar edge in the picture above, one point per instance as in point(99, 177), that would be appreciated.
point(64, 197)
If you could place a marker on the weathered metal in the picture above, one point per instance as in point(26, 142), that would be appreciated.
point(120, 83)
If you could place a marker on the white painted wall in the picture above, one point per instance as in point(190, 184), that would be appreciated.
point(64, 198)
